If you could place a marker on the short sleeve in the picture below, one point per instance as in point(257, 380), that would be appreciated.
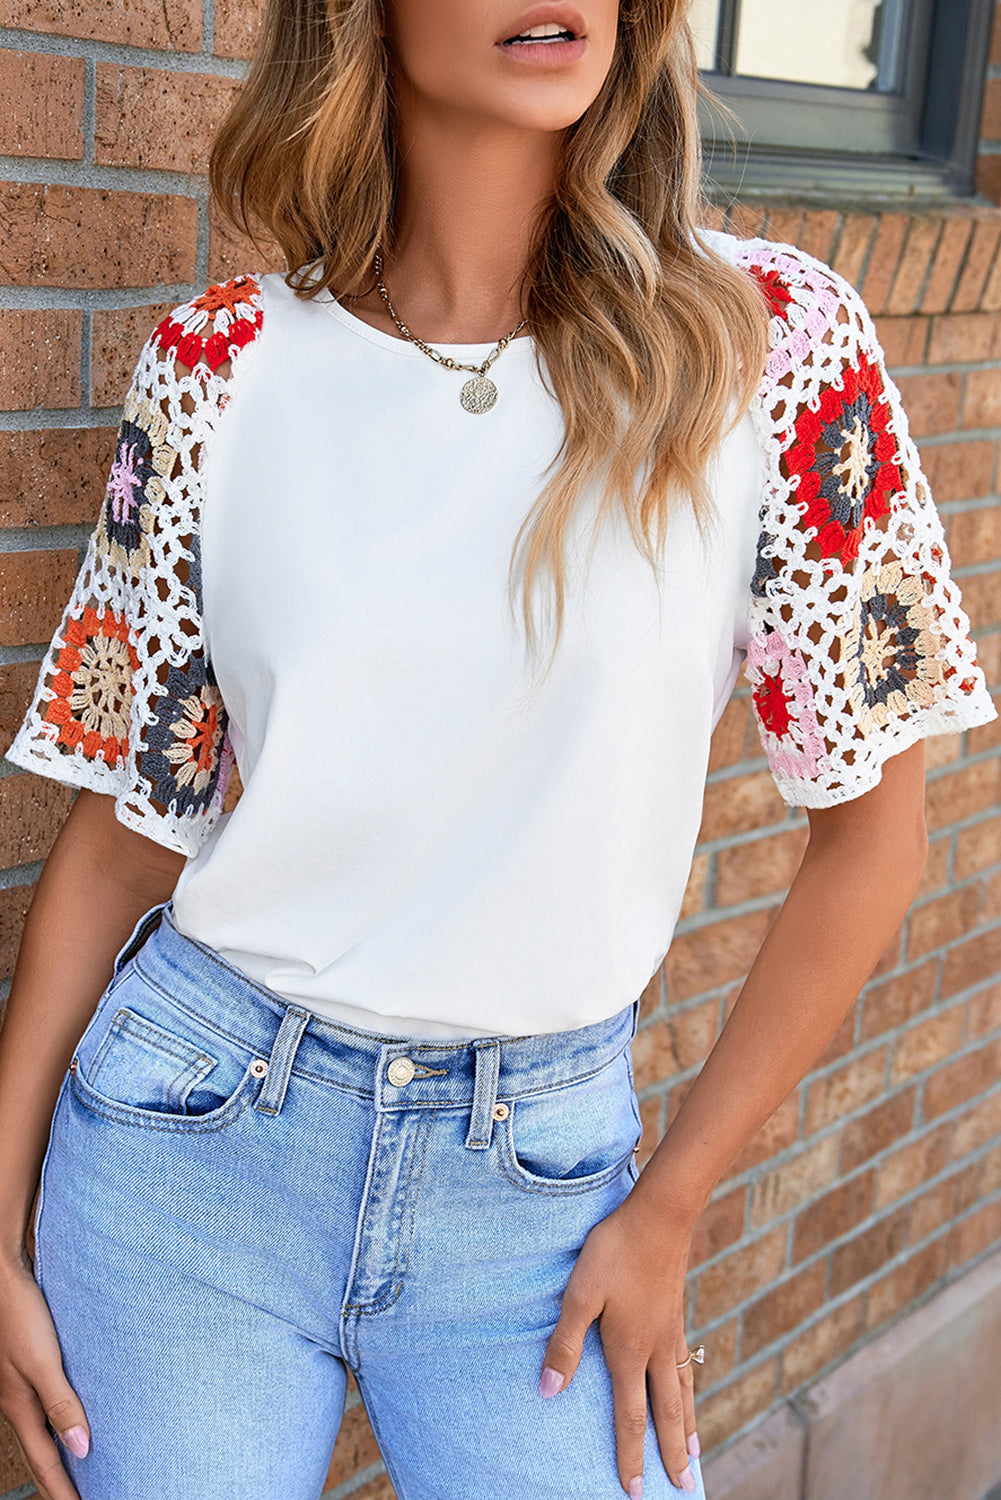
point(858, 644)
point(126, 701)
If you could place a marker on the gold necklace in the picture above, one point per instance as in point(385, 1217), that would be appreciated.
point(477, 395)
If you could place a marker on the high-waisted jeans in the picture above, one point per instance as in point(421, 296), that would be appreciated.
point(241, 1201)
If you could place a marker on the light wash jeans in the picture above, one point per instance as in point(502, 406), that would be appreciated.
point(240, 1201)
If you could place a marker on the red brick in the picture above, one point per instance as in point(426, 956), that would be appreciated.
point(892, 1001)
point(724, 1412)
point(864, 1255)
point(720, 1224)
point(883, 260)
point(990, 1171)
point(970, 963)
point(912, 272)
point(746, 221)
point(94, 237)
point(979, 260)
point(734, 737)
point(982, 399)
point(802, 1177)
point(782, 1309)
point(14, 903)
point(174, 24)
point(956, 235)
point(943, 920)
point(17, 686)
point(39, 358)
point(943, 1202)
point(767, 865)
point(118, 338)
point(987, 176)
point(652, 1132)
point(832, 1216)
point(784, 225)
point(713, 216)
point(816, 235)
point(959, 471)
point(714, 955)
point(985, 736)
point(989, 657)
point(903, 340)
point(994, 55)
point(990, 120)
point(974, 1234)
point(990, 297)
point(740, 804)
point(694, 898)
point(355, 1448)
point(232, 254)
point(43, 105)
point(962, 794)
point(974, 536)
point(931, 402)
point(848, 1088)
point(877, 1129)
point(34, 588)
point(819, 1345)
point(914, 1162)
point(32, 810)
point(853, 246)
point(739, 1275)
point(984, 1011)
point(962, 1079)
point(54, 476)
point(664, 1048)
point(976, 1126)
point(978, 848)
point(151, 117)
point(777, 1134)
point(963, 337)
point(942, 750)
point(906, 1283)
point(380, 1488)
point(982, 600)
point(936, 871)
point(927, 1043)
point(237, 25)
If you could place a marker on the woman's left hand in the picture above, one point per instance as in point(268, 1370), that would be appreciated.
point(630, 1274)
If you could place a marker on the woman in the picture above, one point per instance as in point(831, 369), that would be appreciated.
point(358, 1093)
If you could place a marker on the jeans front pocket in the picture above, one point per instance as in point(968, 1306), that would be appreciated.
point(573, 1138)
point(156, 1064)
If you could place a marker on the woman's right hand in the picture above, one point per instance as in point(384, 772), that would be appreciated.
point(33, 1384)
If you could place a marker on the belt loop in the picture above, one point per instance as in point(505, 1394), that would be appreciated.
point(280, 1062)
point(481, 1120)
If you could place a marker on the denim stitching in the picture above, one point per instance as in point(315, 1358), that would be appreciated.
point(422, 1135)
point(130, 1114)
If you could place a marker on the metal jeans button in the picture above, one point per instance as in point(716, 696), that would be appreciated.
point(401, 1070)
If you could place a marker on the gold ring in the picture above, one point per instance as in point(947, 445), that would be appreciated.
point(697, 1354)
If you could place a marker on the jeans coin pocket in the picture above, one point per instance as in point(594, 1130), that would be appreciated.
point(572, 1138)
point(151, 1063)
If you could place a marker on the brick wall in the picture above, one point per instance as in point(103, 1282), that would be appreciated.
point(879, 1179)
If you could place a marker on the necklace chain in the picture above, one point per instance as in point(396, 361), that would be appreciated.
point(442, 359)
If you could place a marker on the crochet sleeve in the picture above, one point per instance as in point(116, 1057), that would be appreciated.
point(858, 645)
point(126, 702)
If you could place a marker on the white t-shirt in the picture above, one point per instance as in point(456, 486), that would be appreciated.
point(429, 841)
point(302, 557)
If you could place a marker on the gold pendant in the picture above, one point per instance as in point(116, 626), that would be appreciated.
point(478, 395)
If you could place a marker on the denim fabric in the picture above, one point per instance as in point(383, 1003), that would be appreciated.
point(240, 1201)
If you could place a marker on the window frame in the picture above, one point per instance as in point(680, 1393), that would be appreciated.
point(919, 142)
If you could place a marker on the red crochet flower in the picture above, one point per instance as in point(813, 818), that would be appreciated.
point(844, 455)
point(92, 686)
point(772, 704)
point(777, 294)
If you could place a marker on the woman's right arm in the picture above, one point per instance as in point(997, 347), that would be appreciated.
point(98, 880)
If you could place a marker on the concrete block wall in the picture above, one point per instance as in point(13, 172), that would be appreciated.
point(878, 1182)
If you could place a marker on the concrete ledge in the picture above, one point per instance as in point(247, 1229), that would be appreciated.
point(916, 1413)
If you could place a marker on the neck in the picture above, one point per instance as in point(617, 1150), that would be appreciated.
point(468, 204)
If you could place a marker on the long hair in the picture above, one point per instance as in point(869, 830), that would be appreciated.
point(653, 344)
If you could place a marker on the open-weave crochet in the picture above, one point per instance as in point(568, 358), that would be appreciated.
point(858, 644)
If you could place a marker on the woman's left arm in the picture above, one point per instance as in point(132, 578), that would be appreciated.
point(859, 874)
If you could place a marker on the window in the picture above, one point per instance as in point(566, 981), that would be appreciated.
point(871, 96)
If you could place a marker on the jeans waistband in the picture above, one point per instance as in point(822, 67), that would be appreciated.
point(398, 1072)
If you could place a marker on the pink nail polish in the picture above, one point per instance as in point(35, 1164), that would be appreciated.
point(551, 1382)
point(76, 1441)
point(694, 1446)
point(688, 1481)
point(636, 1488)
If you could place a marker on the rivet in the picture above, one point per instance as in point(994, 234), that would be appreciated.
point(401, 1070)
point(501, 1111)
point(73, 1065)
point(258, 1067)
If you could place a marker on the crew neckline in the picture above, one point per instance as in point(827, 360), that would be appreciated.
point(403, 346)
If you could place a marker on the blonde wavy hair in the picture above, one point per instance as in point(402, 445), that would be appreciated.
point(653, 345)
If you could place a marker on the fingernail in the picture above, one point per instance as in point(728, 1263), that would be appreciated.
point(688, 1481)
point(551, 1382)
point(76, 1440)
point(636, 1488)
point(694, 1446)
